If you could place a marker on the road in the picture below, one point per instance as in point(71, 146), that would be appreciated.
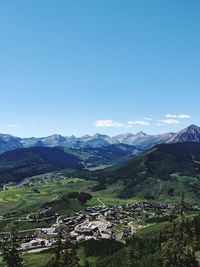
point(23, 231)
point(103, 205)
point(133, 226)
point(37, 250)
point(58, 221)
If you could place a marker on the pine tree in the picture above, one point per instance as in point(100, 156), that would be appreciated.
point(10, 249)
point(86, 263)
point(177, 249)
point(133, 253)
point(183, 238)
point(64, 252)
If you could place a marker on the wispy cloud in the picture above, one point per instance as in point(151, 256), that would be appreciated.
point(108, 123)
point(12, 125)
point(138, 123)
point(147, 119)
point(173, 119)
point(181, 116)
point(169, 121)
point(115, 124)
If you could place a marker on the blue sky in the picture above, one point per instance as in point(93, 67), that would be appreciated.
point(109, 66)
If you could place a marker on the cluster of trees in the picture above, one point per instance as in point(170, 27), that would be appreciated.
point(99, 187)
point(179, 243)
point(101, 248)
point(175, 246)
point(10, 246)
point(82, 197)
point(64, 253)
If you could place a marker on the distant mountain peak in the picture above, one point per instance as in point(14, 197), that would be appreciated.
point(56, 136)
point(98, 135)
point(141, 134)
point(126, 134)
point(85, 136)
point(190, 128)
point(193, 127)
point(142, 141)
point(189, 134)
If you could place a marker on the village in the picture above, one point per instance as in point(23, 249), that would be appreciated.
point(97, 222)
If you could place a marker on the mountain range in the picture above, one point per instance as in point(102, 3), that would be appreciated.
point(162, 166)
point(141, 141)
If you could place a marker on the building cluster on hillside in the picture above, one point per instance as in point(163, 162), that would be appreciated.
point(41, 179)
point(100, 222)
point(95, 223)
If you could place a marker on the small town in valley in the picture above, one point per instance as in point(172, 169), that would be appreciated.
point(98, 222)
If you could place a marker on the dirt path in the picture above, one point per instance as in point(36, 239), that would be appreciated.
point(103, 204)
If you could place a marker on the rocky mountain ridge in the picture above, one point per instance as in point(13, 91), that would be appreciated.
point(142, 141)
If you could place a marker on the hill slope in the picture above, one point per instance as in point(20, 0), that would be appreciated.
point(25, 162)
point(18, 164)
point(162, 171)
point(9, 142)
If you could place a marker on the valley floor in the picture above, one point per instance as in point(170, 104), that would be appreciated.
point(40, 209)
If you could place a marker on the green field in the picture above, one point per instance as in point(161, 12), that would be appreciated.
point(26, 199)
point(151, 229)
point(30, 199)
point(110, 196)
point(34, 259)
